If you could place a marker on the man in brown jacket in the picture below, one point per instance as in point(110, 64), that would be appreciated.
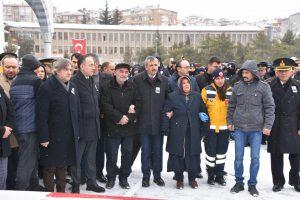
point(10, 65)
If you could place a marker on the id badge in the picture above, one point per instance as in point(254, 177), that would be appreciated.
point(294, 89)
point(157, 90)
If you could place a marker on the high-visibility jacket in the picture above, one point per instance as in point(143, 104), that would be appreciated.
point(217, 109)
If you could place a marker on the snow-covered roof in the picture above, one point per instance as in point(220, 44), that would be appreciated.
point(139, 28)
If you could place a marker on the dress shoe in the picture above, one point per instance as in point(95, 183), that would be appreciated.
point(75, 188)
point(297, 187)
point(95, 188)
point(277, 188)
point(101, 178)
point(37, 188)
point(145, 182)
point(124, 183)
point(110, 183)
point(159, 181)
point(296, 184)
point(179, 185)
point(193, 184)
point(199, 175)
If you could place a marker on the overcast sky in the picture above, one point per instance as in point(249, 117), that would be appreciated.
point(250, 10)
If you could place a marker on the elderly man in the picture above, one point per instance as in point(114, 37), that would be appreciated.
point(9, 62)
point(250, 113)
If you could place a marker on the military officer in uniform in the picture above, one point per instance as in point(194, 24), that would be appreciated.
point(285, 133)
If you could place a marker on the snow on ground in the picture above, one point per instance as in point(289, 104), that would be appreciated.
point(204, 191)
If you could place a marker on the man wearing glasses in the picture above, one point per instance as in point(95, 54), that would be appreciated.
point(182, 69)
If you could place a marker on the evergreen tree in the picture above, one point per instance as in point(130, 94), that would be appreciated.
point(288, 38)
point(117, 17)
point(105, 17)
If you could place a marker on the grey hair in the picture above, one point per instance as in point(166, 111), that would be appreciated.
point(61, 63)
point(8, 56)
point(149, 59)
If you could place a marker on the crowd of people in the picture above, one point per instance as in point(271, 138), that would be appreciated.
point(62, 117)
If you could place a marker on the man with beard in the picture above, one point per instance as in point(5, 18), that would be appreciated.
point(250, 113)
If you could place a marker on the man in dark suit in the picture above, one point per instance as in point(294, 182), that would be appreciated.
point(90, 123)
point(153, 89)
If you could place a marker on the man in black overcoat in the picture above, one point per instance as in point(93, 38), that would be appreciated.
point(90, 123)
point(285, 134)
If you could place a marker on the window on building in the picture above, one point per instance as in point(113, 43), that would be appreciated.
point(60, 50)
point(88, 36)
point(121, 50)
point(94, 50)
point(66, 36)
point(116, 50)
point(99, 50)
point(82, 36)
point(104, 37)
point(94, 36)
point(149, 37)
point(60, 37)
point(110, 37)
point(71, 34)
point(111, 50)
point(88, 49)
point(99, 36)
point(137, 37)
point(54, 36)
point(76, 35)
point(37, 48)
point(116, 38)
point(121, 37)
point(132, 37)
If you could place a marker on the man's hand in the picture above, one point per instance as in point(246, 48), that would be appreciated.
point(299, 132)
point(266, 131)
point(124, 120)
point(45, 144)
point(131, 109)
point(170, 114)
point(7, 132)
point(230, 127)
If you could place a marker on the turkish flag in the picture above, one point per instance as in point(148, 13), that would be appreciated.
point(79, 46)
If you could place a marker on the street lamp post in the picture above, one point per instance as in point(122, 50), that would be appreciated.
point(156, 39)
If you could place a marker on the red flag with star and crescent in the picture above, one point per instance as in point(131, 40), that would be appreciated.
point(79, 46)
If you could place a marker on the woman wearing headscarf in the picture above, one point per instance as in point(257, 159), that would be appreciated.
point(182, 125)
point(216, 97)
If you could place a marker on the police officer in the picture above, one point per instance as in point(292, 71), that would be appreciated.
point(262, 71)
point(285, 133)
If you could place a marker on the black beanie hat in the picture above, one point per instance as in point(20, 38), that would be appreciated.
point(217, 72)
point(30, 63)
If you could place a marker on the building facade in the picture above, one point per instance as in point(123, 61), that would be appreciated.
point(112, 41)
point(150, 15)
point(18, 13)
